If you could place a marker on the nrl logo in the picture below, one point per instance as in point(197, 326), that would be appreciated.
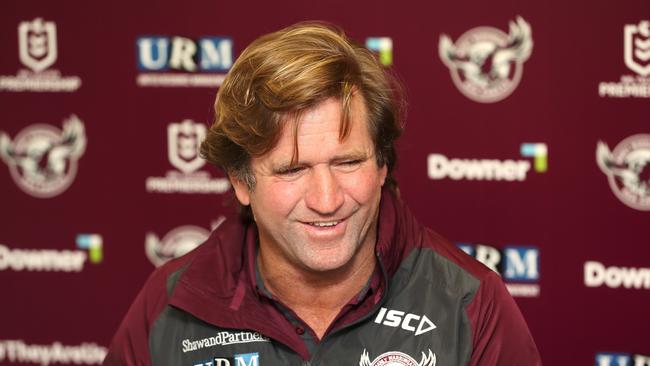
point(637, 47)
point(628, 170)
point(397, 359)
point(37, 44)
point(485, 63)
point(183, 141)
point(43, 159)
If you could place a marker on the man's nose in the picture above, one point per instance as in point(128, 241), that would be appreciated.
point(324, 194)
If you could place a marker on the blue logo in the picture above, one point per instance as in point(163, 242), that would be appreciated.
point(207, 54)
point(621, 359)
point(247, 359)
point(518, 265)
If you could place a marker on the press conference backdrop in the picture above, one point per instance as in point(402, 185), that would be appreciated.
point(527, 144)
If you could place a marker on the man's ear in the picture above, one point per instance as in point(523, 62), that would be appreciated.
point(241, 190)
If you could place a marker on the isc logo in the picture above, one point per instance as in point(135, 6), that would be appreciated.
point(409, 322)
point(514, 263)
point(180, 53)
point(621, 359)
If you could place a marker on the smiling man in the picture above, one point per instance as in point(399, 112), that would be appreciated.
point(326, 265)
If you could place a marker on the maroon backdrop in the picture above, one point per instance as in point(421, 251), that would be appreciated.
point(527, 143)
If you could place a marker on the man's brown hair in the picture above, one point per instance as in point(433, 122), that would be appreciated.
point(284, 73)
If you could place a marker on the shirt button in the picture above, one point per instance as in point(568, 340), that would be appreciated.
point(300, 330)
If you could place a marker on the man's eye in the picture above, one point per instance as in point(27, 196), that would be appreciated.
point(290, 171)
point(351, 162)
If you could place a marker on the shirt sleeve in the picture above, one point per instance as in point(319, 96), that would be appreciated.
point(500, 334)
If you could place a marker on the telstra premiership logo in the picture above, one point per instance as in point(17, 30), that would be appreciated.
point(383, 46)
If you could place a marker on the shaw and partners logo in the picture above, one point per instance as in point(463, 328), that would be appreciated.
point(50, 260)
point(383, 46)
point(621, 359)
point(596, 274)
point(38, 50)
point(636, 56)
point(441, 167)
point(17, 351)
point(183, 62)
point(42, 159)
point(518, 266)
point(177, 242)
point(395, 358)
point(485, 63)
point(183, 141)
point(628, 170)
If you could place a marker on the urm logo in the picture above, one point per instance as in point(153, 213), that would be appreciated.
point(247, 359)
point(518, 265)
point(382, 45)
point(621, 359)
point(538, 151)
point(211, 54)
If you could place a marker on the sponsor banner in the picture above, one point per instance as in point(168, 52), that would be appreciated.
point(440, 166)
point(183, 142)
point(394, 358)
point(485, 63)
point(383, 47)
point(222, 339)
point(628, 170)
point(596, 274)
point(38, 51)
point(636, 56)
point(177, 242)
point(18, 351)
point(50, 260)
point(42, 159)
point(519, 266)
point(621, 359)
point(183, 62)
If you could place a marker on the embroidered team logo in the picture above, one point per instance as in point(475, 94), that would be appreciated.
point(37, 44)
point(395, 358)
point(485, 63)
point(628, 170)
point(43, 159)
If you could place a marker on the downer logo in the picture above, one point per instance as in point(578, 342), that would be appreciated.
point(517, 265)
point(596, 275)
point(440, 166)
point(621, 359)
point(409, 322)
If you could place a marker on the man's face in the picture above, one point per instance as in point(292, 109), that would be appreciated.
point(318, 215)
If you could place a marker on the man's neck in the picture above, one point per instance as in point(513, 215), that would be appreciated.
point(316, 297)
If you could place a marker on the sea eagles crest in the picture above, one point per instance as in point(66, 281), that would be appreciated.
point(37, 44)
point(183, 145)
point(395, 358)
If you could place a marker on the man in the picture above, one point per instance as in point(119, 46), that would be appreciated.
point(327, 267)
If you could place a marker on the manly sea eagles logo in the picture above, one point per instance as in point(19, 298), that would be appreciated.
point(183, 145)
point(37, 44)
point(485, 63)
point(43, 159)
point(397, 359)
point(637, 47)
point(177, 242)
point(628, 170)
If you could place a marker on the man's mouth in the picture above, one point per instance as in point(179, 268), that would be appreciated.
point(324, 223)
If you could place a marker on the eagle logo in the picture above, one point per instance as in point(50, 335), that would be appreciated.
point(628, 170)
point(485, 63)
point(394, 358)
point(43, 159)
